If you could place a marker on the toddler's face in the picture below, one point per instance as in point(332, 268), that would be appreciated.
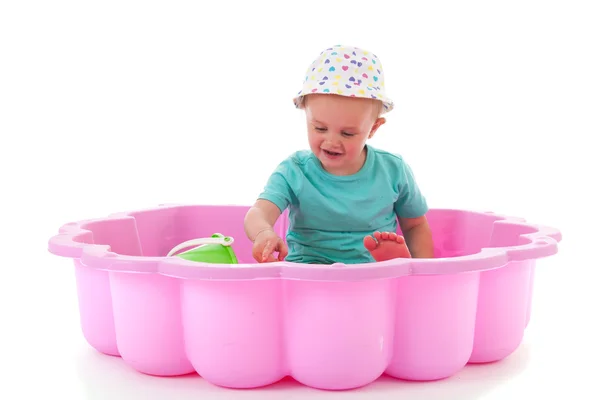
point(338, 128)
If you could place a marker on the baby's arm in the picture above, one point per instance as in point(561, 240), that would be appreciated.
point(411, 208)
point(260, 218)
point(418, 237)
point(258, 224)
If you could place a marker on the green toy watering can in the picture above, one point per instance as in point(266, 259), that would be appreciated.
point(215, 250)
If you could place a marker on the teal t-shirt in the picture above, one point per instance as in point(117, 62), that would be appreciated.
point(330, 215)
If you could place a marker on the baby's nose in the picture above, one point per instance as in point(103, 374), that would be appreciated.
point(333, 141)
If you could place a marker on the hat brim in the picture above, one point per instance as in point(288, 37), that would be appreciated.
point(388, 104)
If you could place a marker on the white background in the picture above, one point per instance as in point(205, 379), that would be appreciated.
point(119, 105)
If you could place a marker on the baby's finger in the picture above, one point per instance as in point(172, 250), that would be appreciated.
point(268, 250)
point(258, 255)
point(270, 259)
point(283, 250)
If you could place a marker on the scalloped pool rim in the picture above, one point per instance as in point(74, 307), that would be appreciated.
point(72, 237)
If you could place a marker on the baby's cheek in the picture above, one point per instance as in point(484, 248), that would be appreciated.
point(354, 148)
point(313, 141)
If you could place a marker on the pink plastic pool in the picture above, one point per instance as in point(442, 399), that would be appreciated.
point(329, 327)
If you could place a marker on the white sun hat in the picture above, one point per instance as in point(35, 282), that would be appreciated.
point(346, 71)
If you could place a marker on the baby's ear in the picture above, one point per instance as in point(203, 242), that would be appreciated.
point(378, 122)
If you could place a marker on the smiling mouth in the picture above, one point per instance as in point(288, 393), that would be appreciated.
point(332, 153)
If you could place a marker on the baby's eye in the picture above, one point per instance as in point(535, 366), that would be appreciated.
point(346, 134)
point(320, 129)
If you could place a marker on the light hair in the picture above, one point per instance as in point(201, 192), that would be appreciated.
point(378, 104)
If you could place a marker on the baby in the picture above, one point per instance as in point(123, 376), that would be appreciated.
point(345, 198)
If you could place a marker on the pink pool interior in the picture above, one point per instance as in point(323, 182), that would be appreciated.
point(153, 233)
point(247, 326)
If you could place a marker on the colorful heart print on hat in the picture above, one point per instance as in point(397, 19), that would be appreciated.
point(346, 71)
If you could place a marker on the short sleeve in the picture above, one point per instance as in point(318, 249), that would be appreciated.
point(279, 188)
point(411, 203)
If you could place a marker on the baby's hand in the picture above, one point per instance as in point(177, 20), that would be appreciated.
point(265, 244)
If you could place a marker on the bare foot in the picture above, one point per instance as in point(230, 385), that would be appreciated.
point(386, 246)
